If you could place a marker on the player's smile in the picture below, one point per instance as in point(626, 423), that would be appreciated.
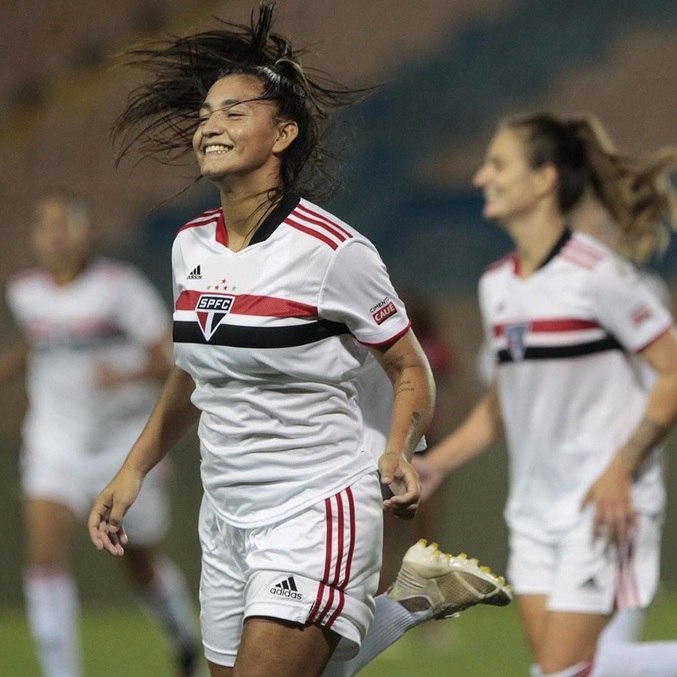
point(216, 148)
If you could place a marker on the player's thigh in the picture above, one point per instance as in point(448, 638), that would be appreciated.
point(569, 638)
point(49, 530)
point(306, 649)
point(533, 613)
point(219, 670)
point(139, 564)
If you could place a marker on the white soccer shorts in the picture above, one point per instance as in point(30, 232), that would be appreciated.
point(60, 470)
point(586, 575)
point(319, 567)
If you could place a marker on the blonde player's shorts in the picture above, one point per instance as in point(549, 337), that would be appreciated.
point(579, 573)
point(60, 470)
point(318, 567)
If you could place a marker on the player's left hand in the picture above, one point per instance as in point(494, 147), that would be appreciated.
point(110, 506)
point(610, 496)
point(401, 479)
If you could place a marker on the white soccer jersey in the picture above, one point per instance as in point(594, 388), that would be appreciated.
point(563, 340)
point(269, 334)
point(108, 315)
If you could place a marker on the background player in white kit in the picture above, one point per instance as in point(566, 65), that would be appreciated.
point(94, 348)
point(276, 300)
point(564, 316)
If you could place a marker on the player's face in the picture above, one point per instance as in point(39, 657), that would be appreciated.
point(59, 239)
point(510, 185)
point(238, 134)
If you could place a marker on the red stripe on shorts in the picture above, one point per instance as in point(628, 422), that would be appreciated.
point(628, 591)
point(330, 595)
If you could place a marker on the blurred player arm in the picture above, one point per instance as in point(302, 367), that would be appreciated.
point(407, 367)
point(610, 493)
point(13, 361)
point(172, 417)
point(479, 431)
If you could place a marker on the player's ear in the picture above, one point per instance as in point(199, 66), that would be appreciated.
point(546, 177)
point(287, 131)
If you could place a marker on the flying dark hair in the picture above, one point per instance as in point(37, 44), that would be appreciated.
point(635, 191)
point(161, 115)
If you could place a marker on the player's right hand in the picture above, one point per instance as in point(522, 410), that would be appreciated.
point(110, 506)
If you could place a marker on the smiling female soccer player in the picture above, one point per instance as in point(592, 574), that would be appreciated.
point(277, 305)
point(565, 317)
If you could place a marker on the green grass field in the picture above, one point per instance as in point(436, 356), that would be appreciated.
point(483, 642)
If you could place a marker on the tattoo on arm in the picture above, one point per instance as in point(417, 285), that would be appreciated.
point(394, 368)
point(405, 386)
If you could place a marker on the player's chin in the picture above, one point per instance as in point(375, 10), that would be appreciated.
point(212, 171)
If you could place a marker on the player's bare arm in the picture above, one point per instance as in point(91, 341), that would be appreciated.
point(173, 415)
point(413, 405)
point(611, 492)
point(481, 429)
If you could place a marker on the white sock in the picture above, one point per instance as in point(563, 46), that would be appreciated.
point(535, 670)
point(168, 601)
point(635, 659)
point(53, 611)
point(391, 621)
point(581, 669)
point(624, 626)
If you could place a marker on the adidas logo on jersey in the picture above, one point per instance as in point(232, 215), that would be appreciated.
point(195, 274)
point(590, 584)
point(287, 588)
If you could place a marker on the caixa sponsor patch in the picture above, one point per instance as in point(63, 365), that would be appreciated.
point(211, 309)
point(383, 310)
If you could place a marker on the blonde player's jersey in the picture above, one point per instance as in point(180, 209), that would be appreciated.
point(107, 316)
point(270, 335)
point(564, 340)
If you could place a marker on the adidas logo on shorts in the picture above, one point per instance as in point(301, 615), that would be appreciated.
point(286, 588)
point(590, 584)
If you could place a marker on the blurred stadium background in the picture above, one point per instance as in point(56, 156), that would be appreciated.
point(448, 71)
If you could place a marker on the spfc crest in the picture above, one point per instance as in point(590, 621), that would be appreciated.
point(515, 336)
point(211, 309)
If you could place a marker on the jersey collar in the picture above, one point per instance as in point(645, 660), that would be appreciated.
point(280, 212)
point(557, 248)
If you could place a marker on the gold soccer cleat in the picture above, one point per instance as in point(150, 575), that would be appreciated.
point(431, 579)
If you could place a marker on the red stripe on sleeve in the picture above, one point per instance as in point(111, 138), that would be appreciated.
point(310, 231)
point(321, 221)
